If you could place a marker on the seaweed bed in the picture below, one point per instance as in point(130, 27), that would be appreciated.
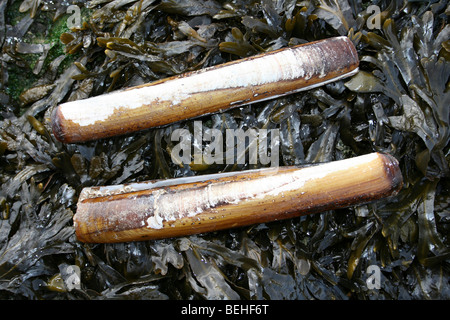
point(398, 103)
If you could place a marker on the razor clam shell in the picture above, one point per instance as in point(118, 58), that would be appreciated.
point(178, 207)
point(254, 79)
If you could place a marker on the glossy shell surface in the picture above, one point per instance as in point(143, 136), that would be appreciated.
point(178, 207)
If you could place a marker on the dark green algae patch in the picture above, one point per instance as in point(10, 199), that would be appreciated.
point(398, 103)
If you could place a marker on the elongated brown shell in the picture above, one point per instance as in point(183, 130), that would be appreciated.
point(206, 91)
point(184, 206)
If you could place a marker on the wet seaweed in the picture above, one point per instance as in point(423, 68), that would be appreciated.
point(397, 103)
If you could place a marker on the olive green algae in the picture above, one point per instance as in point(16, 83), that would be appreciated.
point(397, 103)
